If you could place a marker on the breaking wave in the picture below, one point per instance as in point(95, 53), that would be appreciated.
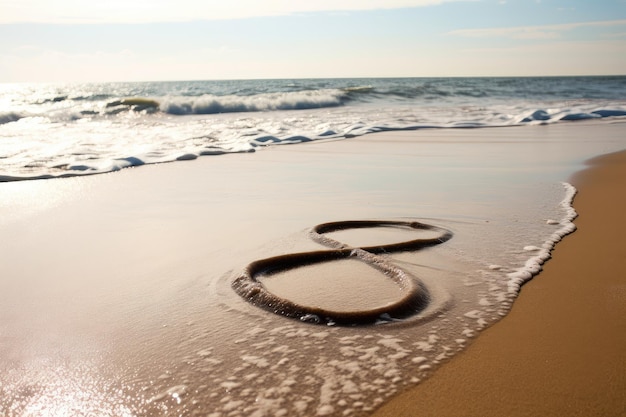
point(69, 130)
point(211, 104)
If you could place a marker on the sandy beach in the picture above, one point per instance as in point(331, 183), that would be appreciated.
point(116, 296)
point(562, 349)
point(381, 208)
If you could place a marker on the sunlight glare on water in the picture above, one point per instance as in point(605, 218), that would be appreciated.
point(59, 391)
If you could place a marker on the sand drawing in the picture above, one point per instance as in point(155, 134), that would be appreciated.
point(415, 295)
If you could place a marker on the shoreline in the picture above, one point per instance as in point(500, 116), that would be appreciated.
point(562, 348)
point(122, 282)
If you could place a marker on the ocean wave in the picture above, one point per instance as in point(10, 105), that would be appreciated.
point(55, 99)
point(91, 97)
point(137, 104)
point(427, 91)
point(197, 141)
point(565, 115)
point(10, 117)
point(76, 97)
point(85, 129)
point(364, 89)
point(596, 114)
point(212, 104)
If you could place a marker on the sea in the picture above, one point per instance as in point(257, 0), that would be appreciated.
point(134, 292)
point(60, 130)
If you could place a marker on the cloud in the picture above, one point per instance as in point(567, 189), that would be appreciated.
point(532, 32)
point(145, 11)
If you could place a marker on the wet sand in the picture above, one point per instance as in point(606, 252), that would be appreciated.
point(562, 349)
point(116, 297)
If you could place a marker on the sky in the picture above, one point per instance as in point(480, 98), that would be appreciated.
point(151, 40)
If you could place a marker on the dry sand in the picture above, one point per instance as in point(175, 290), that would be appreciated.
point(562, 349)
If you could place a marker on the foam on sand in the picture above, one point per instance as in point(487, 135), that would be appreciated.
point(534, 264)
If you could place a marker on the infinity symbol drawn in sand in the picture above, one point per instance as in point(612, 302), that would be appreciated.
point(414, 298)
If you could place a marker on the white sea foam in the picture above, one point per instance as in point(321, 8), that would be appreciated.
point(70, 130)
point(534, 264)
point(212, 104)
